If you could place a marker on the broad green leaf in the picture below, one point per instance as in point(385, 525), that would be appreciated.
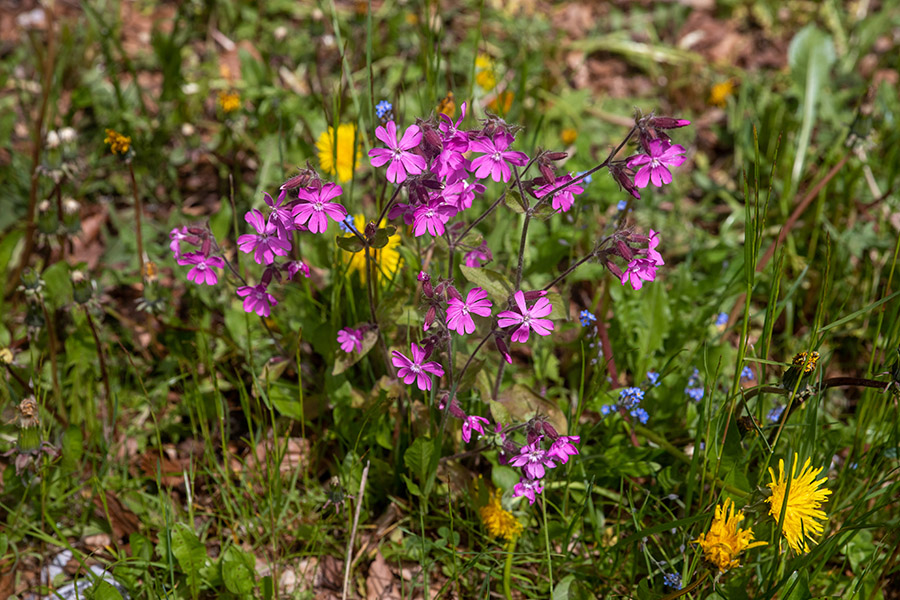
point(514, 201)
point(103, 590)
point(238, 571)
point(417, 457)
point(349, 243)
point(498, 287)
point(561, 591)
point(189, 552)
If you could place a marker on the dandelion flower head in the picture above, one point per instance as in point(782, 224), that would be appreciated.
point(725, 540)
point(118, 143)
point(802, 512)
point(339, 158)
point(497, 520)
point(229, 101)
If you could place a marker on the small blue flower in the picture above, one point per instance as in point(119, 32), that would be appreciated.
point(775, 414)
point(672, 580)
point(586, 317)
point(630, 397)
point(747, 374)
point(640, 414)
point(586, 180)
point(383, 108)
point(622, 205)
point(695, 393)
point(347, 225)
point(722, 319)
point(607, 409)
point(653, 378)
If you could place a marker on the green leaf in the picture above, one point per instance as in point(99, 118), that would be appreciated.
point(560, 307)
point(498, 287)
point(189, 552)
point(238, 571)
point(417, 457)
point(103, 590)
point(350, 243)
point(798, 586)
point(382, 236)
point(561, 591)
point(72, 449)
point(411, 485)
point(514, 201)
point(58, 290)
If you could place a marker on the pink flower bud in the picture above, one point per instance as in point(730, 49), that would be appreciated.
point(454, 293)
point(534, 295)
point(624, 251)
point(614, 269)
point(429, 318)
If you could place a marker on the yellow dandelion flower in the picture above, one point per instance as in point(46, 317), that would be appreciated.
point(118, 143)
point(502, 103)
point(803, 502)
point(387, 259)
point(485, 76)
point(720, 92)
point(808, 364)
point(339, 159)
point(229, 101)
point(498, 521)
point(447, 105)
point(568, 136)
point(725, 539)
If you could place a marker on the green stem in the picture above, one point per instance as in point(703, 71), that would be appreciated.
point(507, 568)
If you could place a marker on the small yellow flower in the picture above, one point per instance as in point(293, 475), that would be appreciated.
point(485, 76)
point(502, 103)
point(447, 105)
point(568, 136)
point(229, 101)
point(803, 502)
point(6, 356)
point(498, 521)
point(118, 143)
point(340, 159)
point(808, 364)
point(720, 92)
point(387, 259)
point(725, 540)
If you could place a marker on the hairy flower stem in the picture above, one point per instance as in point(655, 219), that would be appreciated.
point(37, 134)
point(138, 210)
point(104, 374)
point(54, 363)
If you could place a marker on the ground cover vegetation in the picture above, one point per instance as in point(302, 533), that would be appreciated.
point(456, 300)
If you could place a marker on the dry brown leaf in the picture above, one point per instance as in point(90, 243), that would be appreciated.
point(380, 583)
point(122, 521)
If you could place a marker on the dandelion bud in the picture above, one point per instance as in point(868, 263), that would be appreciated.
point(71, 210)
point(48, 220)
point(81, 287)
point(429, 318)
point(68, 135)
point(52, 140)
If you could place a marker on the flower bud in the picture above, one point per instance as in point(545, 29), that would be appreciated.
point(547, 172)
point(554, 156)
point(624, 251)
point(52, 140)
point(370, 231)
point(625, 178)
point(71, 210)
point(667, 122)
point(614, 269)
point(67, 135)
point(549, 430)
point(454, 293)
point(47, 218)
point(429, 318)
point(534, 295)
point(81, 287)
point(503, 348)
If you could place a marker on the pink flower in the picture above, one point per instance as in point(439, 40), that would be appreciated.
point(296, 266)
point(528, 488)
point(652, 254)
point(268, 243)
point(653, 166)
point(257, 299)
point(460, 194)
point(350, 339)
point(431, 217)
point(203, 267)
point(177, 235)
point(564, 447)
point(459, 318)
point(403, 162)
point(533, 460)
point(473, 423)
point(315, 204)
point(415, 369)
point(281, 214)
point(639, 270)
point(493, 161)
point(527, 319)
point(450, 134)
point(481, 253)
point(563, 199)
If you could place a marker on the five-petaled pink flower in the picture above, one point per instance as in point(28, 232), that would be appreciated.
point(257, 299)
point(268, 241)
point(639, 270)
point(315, 204)
point(431, 217)
point(415, 369)
point(403, 162)
point(473, 423)
point(350, 339)
point(177, 235)
point(528, 488)
point(533, 459)
point(564, 447)
point(652, 254)
point(493, 161)
point(563, 199)
point(203, 267)
point(654, 165)
point(459, 313)
point(527, 319)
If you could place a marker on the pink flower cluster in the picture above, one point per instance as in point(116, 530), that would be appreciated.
point(651, 166)
point(271, 244)
point(642, 262)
